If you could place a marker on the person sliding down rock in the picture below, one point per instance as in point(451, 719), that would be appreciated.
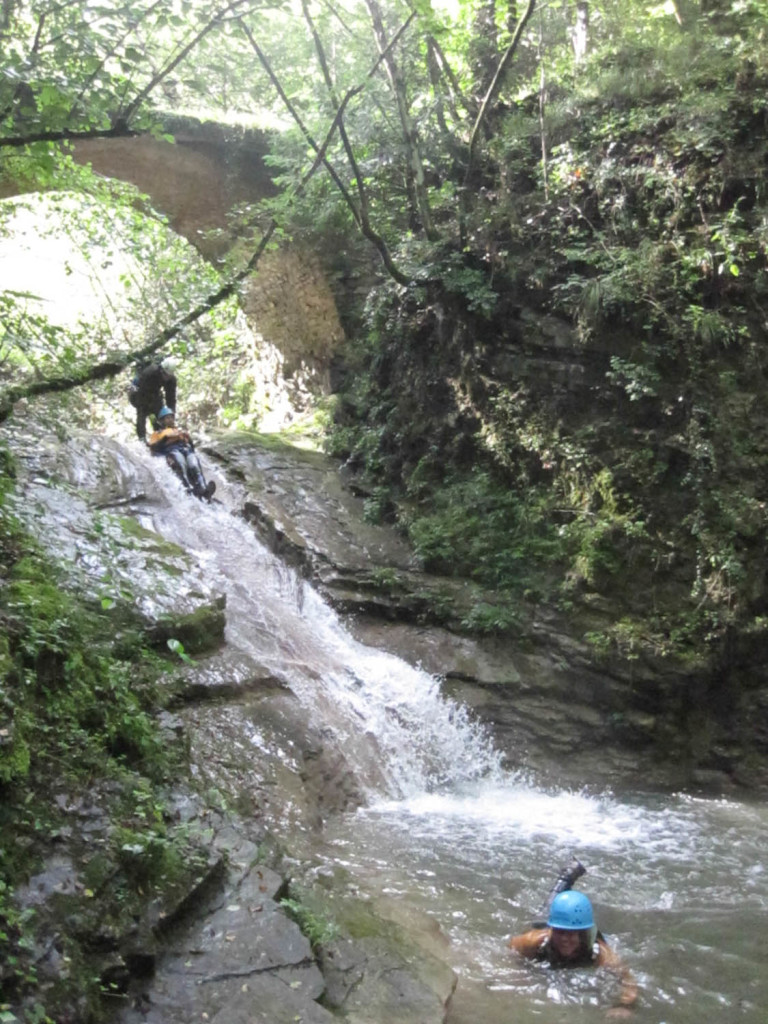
point(176, 445)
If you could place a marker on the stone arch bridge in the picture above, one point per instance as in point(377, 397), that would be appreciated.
point(196, 181)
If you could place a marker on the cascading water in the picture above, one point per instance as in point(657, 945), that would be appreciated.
point(679, 883)
point(423, 741)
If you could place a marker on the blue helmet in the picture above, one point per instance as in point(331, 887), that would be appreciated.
point(165, 411)
point(571, 911)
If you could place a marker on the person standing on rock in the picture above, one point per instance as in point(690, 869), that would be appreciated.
point(571, 939)
point(153, 386)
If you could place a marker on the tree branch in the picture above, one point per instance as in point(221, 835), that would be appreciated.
point(118, 42)
point(118, 131)
point(290, 107)
point(121, 121)
point(436, 56)
point(360, 213)
point(32, 54)
point(495, 83)
point(365, 223)
point(320, 51)
point(417, 188)
point(126, 115)
point(111, 367)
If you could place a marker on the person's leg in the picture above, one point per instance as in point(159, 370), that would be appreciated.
point(195, 474)
point(179, 466)
point(141, 422)
point(195, 471)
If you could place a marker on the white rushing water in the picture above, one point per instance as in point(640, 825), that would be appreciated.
point(679, 883)
point(424, 741)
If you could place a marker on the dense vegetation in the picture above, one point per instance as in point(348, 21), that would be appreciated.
point(622, 247)
point(84, 767)
point(600, 164)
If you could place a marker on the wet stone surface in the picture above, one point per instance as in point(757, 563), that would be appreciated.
point(244, 957)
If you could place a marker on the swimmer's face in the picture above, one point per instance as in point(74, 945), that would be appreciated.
point(568, 944)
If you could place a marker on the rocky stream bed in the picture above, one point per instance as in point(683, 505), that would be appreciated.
point(223, 946)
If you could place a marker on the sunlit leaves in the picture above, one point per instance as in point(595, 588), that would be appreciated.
point(77, 66)
point(114, 276)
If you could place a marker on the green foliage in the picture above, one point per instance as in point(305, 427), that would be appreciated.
point(637, 380)
point(501, 619)
point(385, 578)
point(81, 66)
point(472, 284)
point(76, 714)
point(377, 506)
point(648, 234)
point(59, 661)
point(178, 649)
point(314, 925)
point(147, 857)
point(125, 277)
point(477, 527)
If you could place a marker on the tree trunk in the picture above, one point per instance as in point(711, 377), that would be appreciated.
point(417, 185)
point(490, 95)
point(483, 46)
point(580, 33)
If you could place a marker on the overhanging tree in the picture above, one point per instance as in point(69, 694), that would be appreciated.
point(407, 136)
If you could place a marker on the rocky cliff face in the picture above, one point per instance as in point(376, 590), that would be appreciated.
point(569, 413)
point(550, 705)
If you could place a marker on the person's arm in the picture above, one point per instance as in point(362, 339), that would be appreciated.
point(628, 992)
point(529, 943)
point(170, 390)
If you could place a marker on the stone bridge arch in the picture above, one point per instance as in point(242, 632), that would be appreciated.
point(195, 182)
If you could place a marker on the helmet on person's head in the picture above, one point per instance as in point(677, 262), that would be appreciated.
point(165, 411)
point(571, 911)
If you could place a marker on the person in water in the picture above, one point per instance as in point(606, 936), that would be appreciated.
point(176, 445)
point(571, 939)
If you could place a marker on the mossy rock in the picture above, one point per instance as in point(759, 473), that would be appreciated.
point(198, 631)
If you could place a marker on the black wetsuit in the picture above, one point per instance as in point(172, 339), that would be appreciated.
point(151, 389)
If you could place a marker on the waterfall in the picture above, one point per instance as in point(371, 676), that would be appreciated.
point(423, 741)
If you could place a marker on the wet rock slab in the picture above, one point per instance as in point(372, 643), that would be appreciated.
point(301, 506)
point(227, 674)
point(307, 511)
point(243, 961)
point(370, 985)
point(81, 500)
